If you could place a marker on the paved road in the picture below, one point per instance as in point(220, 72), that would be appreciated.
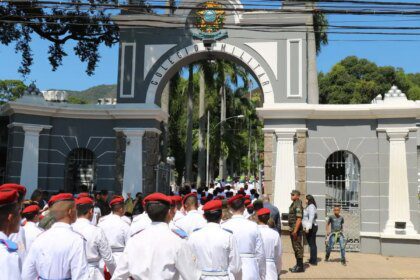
point(359, 266)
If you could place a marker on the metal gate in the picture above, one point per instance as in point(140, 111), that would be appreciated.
point(163, 178)
point(342, 189)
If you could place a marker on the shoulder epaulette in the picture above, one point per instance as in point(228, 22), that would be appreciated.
point(228, 230)
point(197, 229)
point(180, 233)
point(137, 232)
point(81, 235)
point(10, 245)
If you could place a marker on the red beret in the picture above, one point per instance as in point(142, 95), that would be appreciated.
point(12, 186)
point(60, 197)
point(8, 197)
point(263, 211)
point(247, 202)
point(154, 197)
point(187, 196)
point(249, 206)
point(31, 209)
point(116, 200)
point(83, 194)
point(212, 205)
point(236, 197)
point(247, 196)
point(84, 200)
point(176, 198)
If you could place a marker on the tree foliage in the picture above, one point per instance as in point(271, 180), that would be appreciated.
point(356, 80)
point(11, 90)
point(88, 27)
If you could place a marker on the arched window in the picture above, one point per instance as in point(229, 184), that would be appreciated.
point(80, 170)
point(342, 181)
point(342, 175)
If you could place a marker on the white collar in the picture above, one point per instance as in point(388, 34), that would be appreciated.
point(61, 225)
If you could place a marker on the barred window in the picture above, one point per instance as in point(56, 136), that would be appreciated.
point(80, 170)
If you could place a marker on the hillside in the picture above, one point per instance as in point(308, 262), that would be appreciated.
point(91, 95)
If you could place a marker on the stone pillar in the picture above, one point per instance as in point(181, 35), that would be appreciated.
point(301, 161)
point(399, 204)
point(133, 162)
point(30, 157)
point(268, 164)
point(285, 168)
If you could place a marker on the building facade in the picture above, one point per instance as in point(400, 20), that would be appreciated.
point(361, 157)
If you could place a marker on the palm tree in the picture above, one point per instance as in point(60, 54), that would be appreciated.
point(202, 128)
point(188, 146)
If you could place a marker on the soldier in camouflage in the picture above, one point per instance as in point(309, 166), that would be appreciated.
point(295, 228)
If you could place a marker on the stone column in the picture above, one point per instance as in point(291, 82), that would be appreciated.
point(133, 162)
point(399, 204)
point(285, 168)
point(30, 157)
point(268, 164)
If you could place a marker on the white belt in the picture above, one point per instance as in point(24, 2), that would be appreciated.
point(214, 273)
point(117, 250)
point(269, 260)
point(93, 264)
point(250, 256)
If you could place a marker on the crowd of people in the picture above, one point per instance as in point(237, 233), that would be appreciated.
point(220, 232)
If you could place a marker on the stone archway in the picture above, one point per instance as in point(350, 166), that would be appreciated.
point(184, 56)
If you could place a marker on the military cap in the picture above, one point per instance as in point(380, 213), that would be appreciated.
point(31, 209)
point(212, 205)
point(60, 197)
point(295, 192)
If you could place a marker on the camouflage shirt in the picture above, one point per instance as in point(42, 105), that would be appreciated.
point(295, 212)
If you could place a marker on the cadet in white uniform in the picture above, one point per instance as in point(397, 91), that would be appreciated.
point(249, 241)
point(116, 230)
point(58, 253)
point(18, 237)
point(9, 259)
point(272, 245)
point(156, 252)
point(215, 248)
point(97, 246)
point(31, 214)
point(140, 222)
point(194, 219)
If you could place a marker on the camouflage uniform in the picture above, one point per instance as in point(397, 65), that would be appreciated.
point(295, 212)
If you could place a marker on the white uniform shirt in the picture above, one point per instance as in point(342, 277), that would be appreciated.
point(20, 239)
point(139, 223)
point(96, 215)
point(216, 251)
point(116, 231)
point(250, 246)
point(31, 232)
point(193, 220)
point(126, 219)
point(157, 253)
point(9, 261)
point(97, 247)
point(58, 253)
point(273, 251)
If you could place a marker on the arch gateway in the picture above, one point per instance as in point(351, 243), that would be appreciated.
point(300, 135)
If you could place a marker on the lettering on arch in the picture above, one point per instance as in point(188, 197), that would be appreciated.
point(219, 47)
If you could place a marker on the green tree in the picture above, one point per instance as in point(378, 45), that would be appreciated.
point(356, 80)
point(11, 90)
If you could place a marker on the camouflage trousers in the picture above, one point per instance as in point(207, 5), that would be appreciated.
point(297, 244)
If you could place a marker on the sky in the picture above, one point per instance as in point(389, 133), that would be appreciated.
point(383, 50)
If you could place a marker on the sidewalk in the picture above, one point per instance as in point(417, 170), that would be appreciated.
point(359, 266)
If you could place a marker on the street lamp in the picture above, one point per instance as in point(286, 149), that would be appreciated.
point(208, 140)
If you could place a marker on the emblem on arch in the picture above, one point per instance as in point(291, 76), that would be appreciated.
point(209, 20)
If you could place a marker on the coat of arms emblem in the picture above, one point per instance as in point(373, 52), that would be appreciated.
point(209, 20)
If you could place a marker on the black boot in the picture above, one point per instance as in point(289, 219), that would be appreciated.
point(343, 262)
point(299, 267)
point(327, 256)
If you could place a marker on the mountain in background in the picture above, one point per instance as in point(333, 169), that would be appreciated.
point(91, 95)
